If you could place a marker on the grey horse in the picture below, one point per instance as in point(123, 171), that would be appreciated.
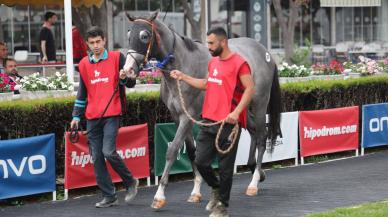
point(150, 38)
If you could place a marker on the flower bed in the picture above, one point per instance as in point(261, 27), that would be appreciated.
point(365, 67)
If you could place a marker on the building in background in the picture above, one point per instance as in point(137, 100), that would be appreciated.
point(323, 22)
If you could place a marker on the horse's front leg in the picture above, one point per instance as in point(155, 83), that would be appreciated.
point(195, 196)
point(184, 127)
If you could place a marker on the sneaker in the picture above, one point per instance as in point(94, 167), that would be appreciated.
point(107, 202)
point(219, 210)
point(214, 199)
point(132, 191)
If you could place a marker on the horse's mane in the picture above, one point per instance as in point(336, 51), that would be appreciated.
point(190, 44)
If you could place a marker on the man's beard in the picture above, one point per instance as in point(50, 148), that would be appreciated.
point(216, 52)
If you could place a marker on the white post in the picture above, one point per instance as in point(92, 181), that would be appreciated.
point(362, 151)
point(66, 194)
point(235, 169)
point(302, 160)
point(148, 181)
point(69, 42)
point(356, 152)
point(296, 161)
point(54, 195)
point(156, 180)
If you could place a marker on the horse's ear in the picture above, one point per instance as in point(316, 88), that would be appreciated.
point(130, 18)
point(154, 15)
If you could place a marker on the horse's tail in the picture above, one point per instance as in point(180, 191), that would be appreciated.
point(274, 110)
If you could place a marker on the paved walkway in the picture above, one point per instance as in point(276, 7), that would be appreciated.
point(292, 192)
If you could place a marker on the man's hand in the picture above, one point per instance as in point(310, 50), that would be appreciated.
point(44, 59)
point(131, 74)
point(74, 124)
point(176, 74)
point(232, 118)
point(122, 75)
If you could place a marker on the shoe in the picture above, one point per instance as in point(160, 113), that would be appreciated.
point(219, 210)
point(214, 199)
point(107, 202)
point(132, 191)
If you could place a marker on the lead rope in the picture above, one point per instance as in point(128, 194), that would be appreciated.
point(233, 135)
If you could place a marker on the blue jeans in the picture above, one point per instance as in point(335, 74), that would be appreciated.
point(102, 144)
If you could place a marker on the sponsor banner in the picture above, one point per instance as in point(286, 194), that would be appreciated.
point(164, 134)
point(285, 148)
point(27, 166)
point(132, 146)
point(375, 125)
point(328, 131)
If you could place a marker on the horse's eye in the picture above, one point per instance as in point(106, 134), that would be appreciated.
point(144, 36)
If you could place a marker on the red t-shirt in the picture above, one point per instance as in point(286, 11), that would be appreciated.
point(79, 45)
point(224, 89)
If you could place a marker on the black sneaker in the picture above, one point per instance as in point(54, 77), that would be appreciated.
point(107, 202)
point(132, 191)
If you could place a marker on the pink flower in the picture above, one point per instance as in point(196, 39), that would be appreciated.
point(386, 61)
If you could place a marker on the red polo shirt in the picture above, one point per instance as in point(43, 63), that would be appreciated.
point(224, 89)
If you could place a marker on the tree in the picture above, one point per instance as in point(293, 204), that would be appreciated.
point(287, 20)
point(84, 17)
point(197, 27)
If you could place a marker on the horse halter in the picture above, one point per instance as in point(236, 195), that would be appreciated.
point(149, 46)
point(154, 34)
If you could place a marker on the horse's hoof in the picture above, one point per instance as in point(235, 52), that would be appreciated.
point(157, 204)
point(194, 198)
point(251, 191)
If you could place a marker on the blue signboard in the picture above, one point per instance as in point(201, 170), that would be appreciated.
point(374, 125)
point(27, 166)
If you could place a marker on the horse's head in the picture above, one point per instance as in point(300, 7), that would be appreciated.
point(143, 42)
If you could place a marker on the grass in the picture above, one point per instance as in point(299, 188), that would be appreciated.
point(378, 209)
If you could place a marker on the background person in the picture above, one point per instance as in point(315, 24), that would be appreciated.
point(47, 40)
point(3, 55)
point(11, 74)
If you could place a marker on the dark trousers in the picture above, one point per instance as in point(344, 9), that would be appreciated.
point(205, 154)
point(102, 144)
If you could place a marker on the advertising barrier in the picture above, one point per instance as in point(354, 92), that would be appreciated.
point(374, 125)
point(164, 135)
point(328, 131)
point(132, 146)
point(285, 148)
point(27, 166)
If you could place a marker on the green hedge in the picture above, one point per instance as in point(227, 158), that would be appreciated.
point(29, 118)
point(20, 119)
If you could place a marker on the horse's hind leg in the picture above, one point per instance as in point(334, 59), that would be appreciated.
point(195, 196)
point(260, 139)
point(183, 130)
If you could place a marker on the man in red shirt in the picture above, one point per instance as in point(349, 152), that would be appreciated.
point(229, 88)
point(79, 45)
point(100, 74)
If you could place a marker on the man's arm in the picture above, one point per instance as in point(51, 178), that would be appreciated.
point(44, 53)
point(43, 40)
point(249, 90)
point(194, 82)
point(79, 105)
